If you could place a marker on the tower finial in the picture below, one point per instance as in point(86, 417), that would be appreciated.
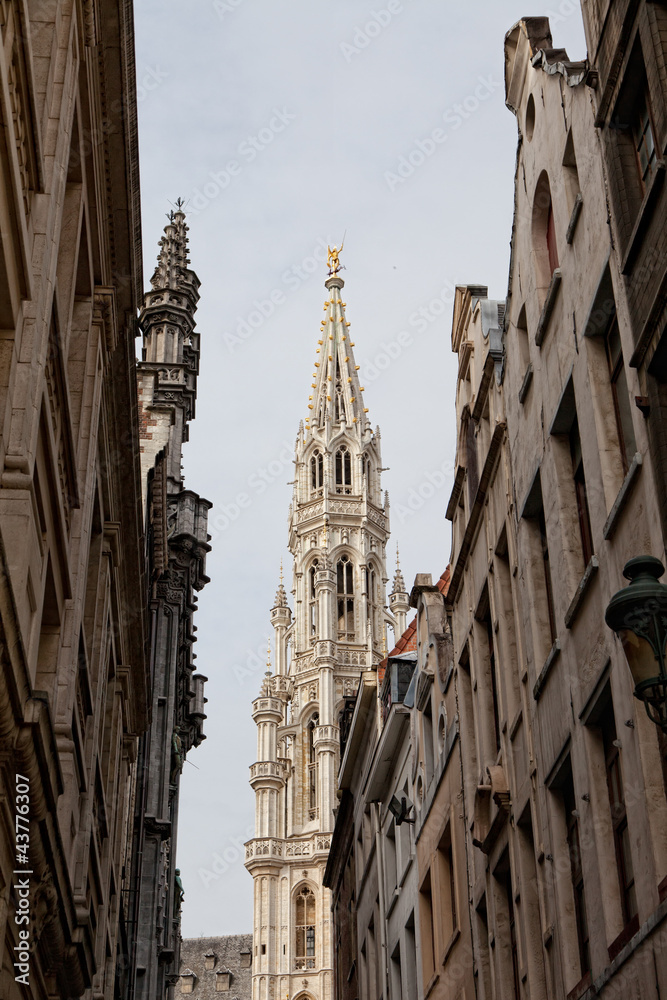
point(398, 586)
point(333, 263)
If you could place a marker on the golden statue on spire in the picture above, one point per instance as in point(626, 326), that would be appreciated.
point(333, 262)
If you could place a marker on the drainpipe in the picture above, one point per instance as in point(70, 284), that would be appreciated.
point(383, 923)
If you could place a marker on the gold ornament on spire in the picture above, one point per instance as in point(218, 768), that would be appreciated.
point(333, 262)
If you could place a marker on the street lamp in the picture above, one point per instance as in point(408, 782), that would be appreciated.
point(638, 615)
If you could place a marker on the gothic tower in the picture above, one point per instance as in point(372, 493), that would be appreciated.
point(177, 544)
point(338, 530)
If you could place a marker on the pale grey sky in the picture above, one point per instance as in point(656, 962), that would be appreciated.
point(286, 125)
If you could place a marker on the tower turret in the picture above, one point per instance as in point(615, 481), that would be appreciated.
point(399, 601)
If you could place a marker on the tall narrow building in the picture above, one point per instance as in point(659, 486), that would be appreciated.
point(177, 543)
point(338, 530)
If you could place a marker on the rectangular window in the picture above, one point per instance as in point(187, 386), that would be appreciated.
point(447, 885)
point(620, 393)
point(580, 492)
point(642, 130)
point(546, 569)
point(551, 240)
point(576, 871)
point(429, 951)
point(619, 819)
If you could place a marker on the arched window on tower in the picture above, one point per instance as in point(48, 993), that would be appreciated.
point(367, 471)
point(345, 597)
point(312, 767)
point(372, 599)
point(313, 618)
point(343, 470)
point(304, 951)
point(317, 472)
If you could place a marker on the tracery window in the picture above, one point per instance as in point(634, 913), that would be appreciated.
point(343, 470)
point(345, 599)
point(312, 768)
point(304, 951)
point(312, 602)
point(316, 471)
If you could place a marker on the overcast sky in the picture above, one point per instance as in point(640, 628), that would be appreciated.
point(285, 125)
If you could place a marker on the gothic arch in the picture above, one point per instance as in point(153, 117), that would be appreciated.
point(543, 234)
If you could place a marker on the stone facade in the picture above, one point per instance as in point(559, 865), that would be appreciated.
point(542, 867)
point(216, 968)
point(177, 543)
point(74, 679)
point(338, 529)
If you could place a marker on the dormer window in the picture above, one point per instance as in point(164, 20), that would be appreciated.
point(210, 958)
point(246, 959)
point(343, 470)
point(223, 981)
point(188, 980)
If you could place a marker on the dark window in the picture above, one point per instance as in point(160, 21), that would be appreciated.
point(620, 393)
point(551, 239)
point(343, 470)
point(492, 673)
point(546, 565)
point(312, 767)
point(580, 491)
point(345, 598)
point(576, 870)
point(619, 818)
point(313, 600)
point(642, 131)
point(317, 470)
point(512, 930)
point(305, 929)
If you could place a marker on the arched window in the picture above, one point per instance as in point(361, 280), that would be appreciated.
point(304, 951)
point(343, 470)
point(345, 596)
point(317, 470)
point(545, 250)
point(312, 767)
point(312, 601)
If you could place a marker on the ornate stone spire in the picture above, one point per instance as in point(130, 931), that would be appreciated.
point(337, 397)
point(399, 601)
point(172, 260)
point(398, 586)
point(281, 596)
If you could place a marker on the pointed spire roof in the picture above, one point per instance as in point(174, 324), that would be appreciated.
point(398, 586)
point(337, 395)
point(281, 596)
point(173, 260)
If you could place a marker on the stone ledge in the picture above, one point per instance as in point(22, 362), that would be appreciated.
point(554, 653)
point(581, 590)
point(525, 385)
point(622, 497)
point(548, 307)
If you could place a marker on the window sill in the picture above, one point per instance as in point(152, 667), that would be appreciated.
point(581, 987)
point(622, 498)
point(574, 218)
point(548, 307)
point(525, 385)
point(554, 653)
point(644, 217)
point(580, 592)
point(435, 978)
point(456, 934)
point(623, 938)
